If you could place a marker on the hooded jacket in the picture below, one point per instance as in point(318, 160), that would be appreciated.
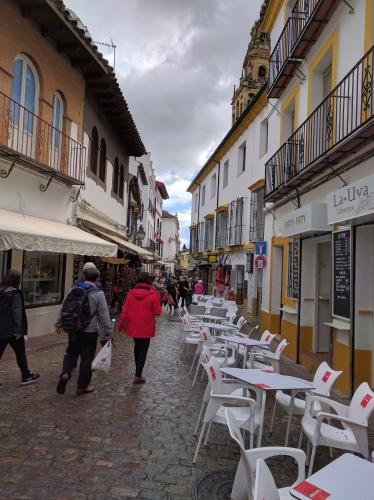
point(12, 312)
point(139, 312)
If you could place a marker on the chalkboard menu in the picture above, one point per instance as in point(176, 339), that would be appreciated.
point(342, 274)
point(293, 269)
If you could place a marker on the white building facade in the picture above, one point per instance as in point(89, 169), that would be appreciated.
point(318, 289)
point(171, 241)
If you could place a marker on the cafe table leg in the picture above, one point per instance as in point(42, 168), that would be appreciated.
point(289, 417)
point(245, 356)
point(263, 405)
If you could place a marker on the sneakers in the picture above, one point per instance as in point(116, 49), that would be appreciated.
point(139, 380)
point(87, 390)
point(33, 377)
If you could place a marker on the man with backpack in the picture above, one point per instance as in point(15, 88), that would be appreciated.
point(83, 309)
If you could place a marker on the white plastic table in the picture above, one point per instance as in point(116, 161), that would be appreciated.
point(220, 327)
point(210, 317)
point(269, 381)
point(347, 478)
point(249, 344)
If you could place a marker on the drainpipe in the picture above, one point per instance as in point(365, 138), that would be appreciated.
point(198, 217)
point(217, 202)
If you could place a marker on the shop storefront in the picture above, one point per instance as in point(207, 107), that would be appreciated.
point(43, 252)
point(351, 213)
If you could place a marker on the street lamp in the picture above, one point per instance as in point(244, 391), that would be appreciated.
point(140, 234)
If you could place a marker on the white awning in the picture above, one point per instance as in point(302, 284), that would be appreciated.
point(24, 232)
point(124, 244)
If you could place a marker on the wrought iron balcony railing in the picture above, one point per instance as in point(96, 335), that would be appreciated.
point(307, 20)
point(340, 125)
point(151, 245)
point(31, 138)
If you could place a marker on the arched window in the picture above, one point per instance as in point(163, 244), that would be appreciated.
point(121, 181)
point(102, 164)
point(115, 176)
point(25, 92)
point(262, 72)
point(57, 119)
point(94, 149)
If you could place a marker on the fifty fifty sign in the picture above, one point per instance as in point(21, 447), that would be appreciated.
point(310, 218)
point(349, 202)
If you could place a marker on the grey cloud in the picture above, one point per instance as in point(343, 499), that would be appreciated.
point(177, 61)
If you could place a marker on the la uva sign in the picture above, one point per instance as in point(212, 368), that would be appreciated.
point(349, 202)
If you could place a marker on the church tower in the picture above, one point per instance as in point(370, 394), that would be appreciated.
point(254, 73)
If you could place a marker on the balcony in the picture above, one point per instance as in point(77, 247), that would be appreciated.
point(151, 245)
point(341, 125)
point(28, 142)
point(301, 31)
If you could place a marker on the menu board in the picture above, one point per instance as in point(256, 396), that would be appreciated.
point(342, 274)
point(293, 269)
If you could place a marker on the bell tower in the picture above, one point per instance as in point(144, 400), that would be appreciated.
point(254, 72)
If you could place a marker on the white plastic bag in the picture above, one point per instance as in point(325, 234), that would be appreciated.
point(103, 358)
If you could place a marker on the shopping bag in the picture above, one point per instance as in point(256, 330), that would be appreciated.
point(103, 358)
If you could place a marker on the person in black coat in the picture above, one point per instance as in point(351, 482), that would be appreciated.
point(13, 323)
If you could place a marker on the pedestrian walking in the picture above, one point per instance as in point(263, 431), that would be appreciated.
point(183, 291)
point(81, 313)
point(199, 287)
point(13, 323)
point(138, 320)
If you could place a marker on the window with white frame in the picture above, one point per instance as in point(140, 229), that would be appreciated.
point(196, 203)
point(242, 158)
point(264, 136)
point(225, 174)
point(203, 196)
point(25, 92)
point(221, 232)
point(208, 238)
point(213, 183)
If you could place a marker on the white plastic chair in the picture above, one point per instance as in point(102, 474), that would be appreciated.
point(265, 487)
point(248, 414)
point(218, 350)
point(323, 381)
point(244, 482)
point(268, 360)
point(353, 418)
point(236, 389)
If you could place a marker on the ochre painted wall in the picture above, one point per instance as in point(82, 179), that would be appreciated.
point(19, 35)
point(340, 361)
point(289, 332)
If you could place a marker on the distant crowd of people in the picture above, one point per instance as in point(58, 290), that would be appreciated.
point(83, 311)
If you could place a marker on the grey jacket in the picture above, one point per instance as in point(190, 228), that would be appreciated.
point(99, 311)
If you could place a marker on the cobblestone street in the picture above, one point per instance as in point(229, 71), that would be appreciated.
point(122, 441)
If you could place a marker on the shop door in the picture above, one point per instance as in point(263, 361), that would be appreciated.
point(239, 284)
point(323, 296)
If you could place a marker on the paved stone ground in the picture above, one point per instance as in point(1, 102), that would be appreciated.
point(122, 441)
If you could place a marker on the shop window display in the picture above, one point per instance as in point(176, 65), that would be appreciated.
point(42, 279)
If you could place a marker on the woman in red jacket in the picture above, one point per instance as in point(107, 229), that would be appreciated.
point(138, 320)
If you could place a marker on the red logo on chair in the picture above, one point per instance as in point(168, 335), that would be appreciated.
point(205, 336)
point(366, 400)
point(326, 376)
point(309, 490)
point(282, 347)
point(267, 338)
point(213, 372)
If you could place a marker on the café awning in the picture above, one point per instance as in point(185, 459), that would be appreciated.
point(125, 245)
point(23, 232)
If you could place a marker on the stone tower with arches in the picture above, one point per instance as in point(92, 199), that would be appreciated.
point(254, 72)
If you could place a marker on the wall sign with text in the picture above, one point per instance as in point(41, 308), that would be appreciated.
point(342, 274)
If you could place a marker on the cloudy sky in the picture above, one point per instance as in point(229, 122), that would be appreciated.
point(177, 62)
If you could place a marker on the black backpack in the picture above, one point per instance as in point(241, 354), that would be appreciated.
point(76, 312)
